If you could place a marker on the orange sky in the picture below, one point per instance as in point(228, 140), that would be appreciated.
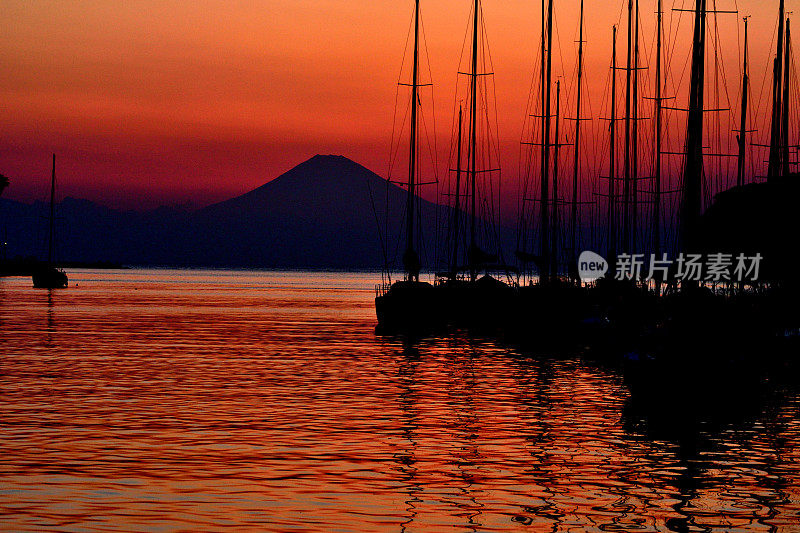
point(158, 101)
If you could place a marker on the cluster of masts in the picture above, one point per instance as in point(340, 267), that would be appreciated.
point(621, 192)
point(779, 144)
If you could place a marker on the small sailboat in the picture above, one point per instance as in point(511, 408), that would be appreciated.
point(47, 276)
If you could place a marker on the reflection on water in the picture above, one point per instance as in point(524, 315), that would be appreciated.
point(170, 400)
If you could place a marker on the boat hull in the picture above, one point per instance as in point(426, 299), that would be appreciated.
point(408, 306)
point(50, 278)
point(481, 305)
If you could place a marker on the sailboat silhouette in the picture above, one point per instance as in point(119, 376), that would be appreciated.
point(47, 276)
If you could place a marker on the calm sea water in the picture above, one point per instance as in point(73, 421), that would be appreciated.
point(196, 400)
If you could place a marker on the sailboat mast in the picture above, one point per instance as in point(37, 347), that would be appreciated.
point(556, 144)
point(693, 170)
point(611, 225)
point(51, 241)
point(743, 118)
point(775, 134)
point(657, 176)
point(635, 134)
point(454, 266)
point(576, 167)
point(411, 259)
point(785, 112)
point(544, 200)
point(473, 143)
point(626, 184)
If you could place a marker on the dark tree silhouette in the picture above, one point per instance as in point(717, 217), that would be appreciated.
point(3, 184)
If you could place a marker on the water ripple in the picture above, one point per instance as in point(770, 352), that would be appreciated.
point(169, 400)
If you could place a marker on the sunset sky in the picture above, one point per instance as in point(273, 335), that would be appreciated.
point(166, 102)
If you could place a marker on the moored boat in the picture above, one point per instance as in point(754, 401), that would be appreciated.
point(47, 275)
point(409, 305)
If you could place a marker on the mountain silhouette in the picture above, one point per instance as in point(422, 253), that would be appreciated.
point(328, 212)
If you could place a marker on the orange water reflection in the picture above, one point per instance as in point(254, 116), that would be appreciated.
point(148, 400)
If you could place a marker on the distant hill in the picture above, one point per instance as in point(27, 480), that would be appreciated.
point(317, 215)
point(88, 232)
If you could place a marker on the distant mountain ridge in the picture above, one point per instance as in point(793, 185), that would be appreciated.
point(327, 212)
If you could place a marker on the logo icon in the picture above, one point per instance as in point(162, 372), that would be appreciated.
point(591, 265)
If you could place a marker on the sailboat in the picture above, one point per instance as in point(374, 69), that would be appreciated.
point(409, 304)
point(47, 276)
point(761, 216)
point(551, 306)
point(472, 291)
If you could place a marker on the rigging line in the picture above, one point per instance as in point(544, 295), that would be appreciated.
point(670, 53)
point(378, 223)
point(528, 151)
point(730, 116)
point(461, 58)
point(431, 147)
point(712, 131)
point(523, 192)
point(390, 163)
point(464, 42)
point(670, 37)
point(488, 53)
point(397, 96)
point(594, 127)
point(398, 239)
point(738, 52)
point(455, 157)
point(565, 87)
point(522, 162)
point(721, 62)
point(763, 83)
point(497, 148)
point(433, 109)
point(487, 128)
point(752, 119)
point(399, 133)
point(622, 9)
point(432, 155)
point(394, 149)
point(764, 119)
point(686, 69)
point(461, 61)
